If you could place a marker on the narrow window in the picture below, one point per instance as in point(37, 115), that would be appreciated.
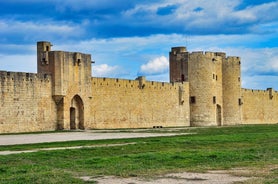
point(192, 99)
point(44, 60)
point(182, 78)
point(47, 48)
point(215, 77)
point(79, 62)
point(214, 100)
point(239, 101)
point(239, 79)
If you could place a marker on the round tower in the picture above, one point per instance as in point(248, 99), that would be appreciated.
point(232, 91)
point(205, 88)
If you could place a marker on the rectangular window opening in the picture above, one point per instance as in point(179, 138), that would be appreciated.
point(192, 99)
point(240, 101)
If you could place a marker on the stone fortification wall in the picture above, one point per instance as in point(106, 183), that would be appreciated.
point(259, 106)
point(71, 77)
point(26, 102)
point(205, 91)
point(118, 103)
point(232, 91)
point(205, 81)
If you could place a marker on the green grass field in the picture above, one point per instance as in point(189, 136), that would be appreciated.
point(252, 147)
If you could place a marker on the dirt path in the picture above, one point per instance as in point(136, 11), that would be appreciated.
point(211, 177)
point(62, 148)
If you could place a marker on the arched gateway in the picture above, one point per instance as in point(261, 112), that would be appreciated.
point(76, 113)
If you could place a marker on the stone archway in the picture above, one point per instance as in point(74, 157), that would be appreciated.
point(218, 115)
point(76, 113)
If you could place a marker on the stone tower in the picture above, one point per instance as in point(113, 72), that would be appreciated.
point(43, 65)
point(205, 89)
point(71, 83)
point(203, 71)
point(232, 91)
point(214, 85)
point(178, 64)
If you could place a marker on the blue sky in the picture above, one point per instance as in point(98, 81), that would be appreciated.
point(130, 38)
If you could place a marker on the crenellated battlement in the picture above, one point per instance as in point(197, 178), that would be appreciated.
point(233, 59)
point(222, 54)
point(259, 91)
point(178, 50)
point(134, 84)
point(209, 56)
point(206, 58)
point(23, 76)
point(197, 53)
point(208, 53)
point(212, 55)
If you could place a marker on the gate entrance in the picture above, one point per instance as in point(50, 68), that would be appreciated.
point(77, 113)
point(72, 118)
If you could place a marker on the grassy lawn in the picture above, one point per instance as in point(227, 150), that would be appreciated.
point(246, 147)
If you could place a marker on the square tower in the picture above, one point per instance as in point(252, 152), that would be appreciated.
point(178, 64)
point(43, 63)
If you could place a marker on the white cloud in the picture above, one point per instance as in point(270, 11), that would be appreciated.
point(274, 62)
point(105, 70)
point(43, 26)
point(40, 30)
point(156, 66)
point(259, 12)
point(217, 16)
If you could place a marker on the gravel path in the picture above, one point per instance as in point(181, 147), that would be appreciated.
point(62, 148)
point(74, 136)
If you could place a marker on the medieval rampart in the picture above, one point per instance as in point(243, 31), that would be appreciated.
point(205, 90)
point(118, 103)
point(259, 106)
point(26, 102)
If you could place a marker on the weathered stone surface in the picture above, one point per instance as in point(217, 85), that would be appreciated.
point(26, 103)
